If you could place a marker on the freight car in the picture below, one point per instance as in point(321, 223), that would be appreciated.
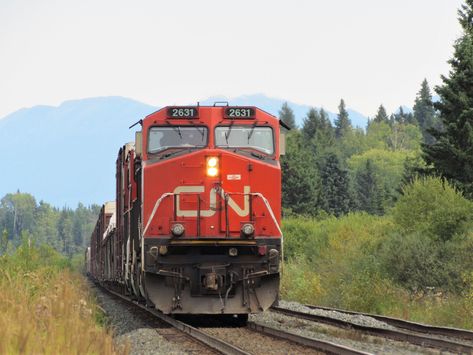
point(195, 225)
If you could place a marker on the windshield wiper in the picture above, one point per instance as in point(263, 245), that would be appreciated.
point(227, 134)
point(251, 132)
point(175, 128)
point(179, 131)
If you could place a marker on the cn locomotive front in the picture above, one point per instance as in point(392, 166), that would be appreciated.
point(195, 228)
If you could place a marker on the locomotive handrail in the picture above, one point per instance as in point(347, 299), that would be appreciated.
point(258, 194)
point(268, 206)
point(155, 208)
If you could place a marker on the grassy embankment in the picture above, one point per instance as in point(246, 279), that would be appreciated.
point(45, 307)
point(415, 263)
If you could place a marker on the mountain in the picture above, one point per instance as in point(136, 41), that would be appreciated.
point(66, 154)
point(273, 105)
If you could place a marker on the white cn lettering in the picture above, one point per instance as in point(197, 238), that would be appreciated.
point(242, 212)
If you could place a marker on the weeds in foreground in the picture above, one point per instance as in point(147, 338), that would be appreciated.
point(46, 309)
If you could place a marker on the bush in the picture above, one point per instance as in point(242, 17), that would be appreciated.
point(432, 206)
point(300, 282)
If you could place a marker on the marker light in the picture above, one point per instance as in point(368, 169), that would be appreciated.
point(212, 166)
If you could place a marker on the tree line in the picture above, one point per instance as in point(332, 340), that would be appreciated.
point(23, 219)
point(336, 168)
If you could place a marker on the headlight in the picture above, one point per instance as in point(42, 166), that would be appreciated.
point(212, 166)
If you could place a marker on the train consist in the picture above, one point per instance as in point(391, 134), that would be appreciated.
point(195, 225)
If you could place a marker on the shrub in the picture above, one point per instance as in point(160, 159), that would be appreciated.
point(300, 282)
point(432, 206)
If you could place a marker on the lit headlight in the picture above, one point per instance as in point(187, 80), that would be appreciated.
point(177, 229)
point(212, 166)
point(247, 229)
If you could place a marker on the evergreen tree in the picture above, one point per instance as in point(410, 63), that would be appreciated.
point(400, 116)
point(369, 193)
point(311, 124)
point(286, 114)
point(424, 111)
point(334, 194)
point(381, 115)
point(342, 123)
point(452, 153)
point(299, 176)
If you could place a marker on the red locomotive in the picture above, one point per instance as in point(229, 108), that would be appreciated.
point(195, 226)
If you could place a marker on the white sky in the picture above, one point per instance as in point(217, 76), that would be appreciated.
point(175, 52)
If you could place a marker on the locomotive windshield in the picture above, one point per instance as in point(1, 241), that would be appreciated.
point(162, 138)
point(252, 137)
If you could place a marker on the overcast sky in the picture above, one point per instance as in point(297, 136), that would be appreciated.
point(176, 52)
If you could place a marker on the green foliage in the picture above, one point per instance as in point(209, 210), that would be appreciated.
point(313, 182)
point(381, 115)
point(387, 167)
point(414, 262)
point(299, 177)
point(452, 153)
point(317, 129)
point(66, 230)
point(286, 114)
point(342, 123)
point(368, 190)
point(4, 242)
point(419, 263)
point(404, 117)
point(334, 196)
point(432, 206)
point(404, 137)
point(377, 135)
point(424, 112)
point(299, 282)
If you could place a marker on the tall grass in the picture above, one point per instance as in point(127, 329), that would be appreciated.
point(45, 308)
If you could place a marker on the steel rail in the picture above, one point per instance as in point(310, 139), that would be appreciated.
point(227, 348)
point(400, 335)
point(409, 325)
point(209, 340)
point(325, 346)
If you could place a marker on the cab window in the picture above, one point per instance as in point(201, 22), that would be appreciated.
point(246, 137)
point(163, 138)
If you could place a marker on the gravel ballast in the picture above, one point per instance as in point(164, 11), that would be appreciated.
point(353, 318)
point(142, 333)
point(350, 338)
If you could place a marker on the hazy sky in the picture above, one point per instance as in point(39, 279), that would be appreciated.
point(174, 52)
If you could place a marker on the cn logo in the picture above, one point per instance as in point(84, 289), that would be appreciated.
point(242, 212)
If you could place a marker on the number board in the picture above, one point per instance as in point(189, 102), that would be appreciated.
point(240, 112)
point(183, 112)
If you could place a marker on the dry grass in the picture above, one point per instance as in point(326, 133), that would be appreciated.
point(48, 310)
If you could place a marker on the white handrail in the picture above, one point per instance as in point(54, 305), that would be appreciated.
point(155, 208)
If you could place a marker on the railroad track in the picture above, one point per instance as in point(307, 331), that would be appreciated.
point(215, 344)
point(448, 339)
